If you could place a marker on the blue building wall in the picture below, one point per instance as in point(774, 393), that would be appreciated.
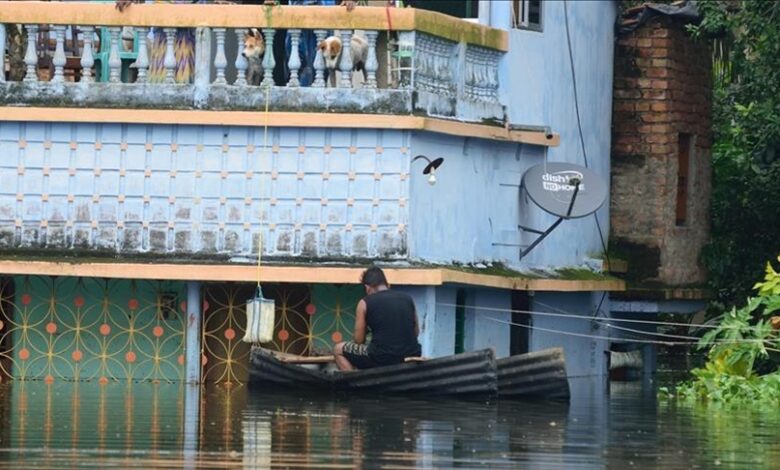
point(471, 214)
point(582, 338)
point(536, 85)
point(487, 320)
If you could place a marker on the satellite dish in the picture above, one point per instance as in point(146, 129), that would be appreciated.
point(566, 190)
point(562, 189)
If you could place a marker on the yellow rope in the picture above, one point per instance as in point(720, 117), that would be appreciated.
point(260, 165)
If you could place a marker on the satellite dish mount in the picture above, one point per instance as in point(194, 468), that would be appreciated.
point(562, 189)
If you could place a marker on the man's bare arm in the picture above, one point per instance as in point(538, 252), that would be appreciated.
point(360, 323)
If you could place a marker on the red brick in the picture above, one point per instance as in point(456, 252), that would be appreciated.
point(644, 83)
point(660, 84)
point(658, 52)
point(654, 94)
point(661, 128)
point(642, 106)
point(655, 117)
point(644, 42)
point(657, 72)
point(660, 149)
point(657, 139)
point(663, 107)
point(662, 42)
point(660, 33)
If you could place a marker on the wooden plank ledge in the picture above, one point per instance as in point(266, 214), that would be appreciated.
point(255, 16)
point(411, 276)
point(276, 119)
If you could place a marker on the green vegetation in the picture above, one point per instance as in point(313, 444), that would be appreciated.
point(743, 352)
point(745, 35)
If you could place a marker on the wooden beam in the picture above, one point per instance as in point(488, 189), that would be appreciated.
point(275, 119)
point(254, 16)
point(296, 274)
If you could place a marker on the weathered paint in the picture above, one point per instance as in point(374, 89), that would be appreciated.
point(585, 353)
point(478, 191)
point(205, 190)
point(487, 320)
point(193, 333)
point(536, 85)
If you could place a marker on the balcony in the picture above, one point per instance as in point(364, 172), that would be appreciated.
point(87, 55)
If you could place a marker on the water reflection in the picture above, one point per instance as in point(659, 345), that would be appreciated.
point(164, 425)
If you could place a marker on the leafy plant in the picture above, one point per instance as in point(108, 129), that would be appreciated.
point(744, 339)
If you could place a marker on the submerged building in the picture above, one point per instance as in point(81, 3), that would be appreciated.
point(144, 192)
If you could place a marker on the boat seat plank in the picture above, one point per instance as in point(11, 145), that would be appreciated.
point(415, 359)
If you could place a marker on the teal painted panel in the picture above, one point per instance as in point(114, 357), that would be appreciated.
point(333, 314)
point(97, 329)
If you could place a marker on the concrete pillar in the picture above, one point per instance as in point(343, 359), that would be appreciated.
point(500, 15)
point(202, 79)
point(484, 12)
point(191, 425)
point(436, 317)
point(192, 349)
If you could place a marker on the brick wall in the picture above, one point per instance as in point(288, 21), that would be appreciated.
point(662, 88)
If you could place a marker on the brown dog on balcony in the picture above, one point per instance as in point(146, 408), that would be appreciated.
point(254, 50)
point(331, 48)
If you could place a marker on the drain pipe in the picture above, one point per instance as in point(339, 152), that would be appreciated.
point(192, 347)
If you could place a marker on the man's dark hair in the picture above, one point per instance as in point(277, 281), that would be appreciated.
point(373, 277)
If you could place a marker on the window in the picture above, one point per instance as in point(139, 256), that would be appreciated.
point(684, 144)
point(527, 14)
point(456, 8)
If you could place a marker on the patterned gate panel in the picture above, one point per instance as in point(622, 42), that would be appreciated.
point(333, 314)
point(92, 329)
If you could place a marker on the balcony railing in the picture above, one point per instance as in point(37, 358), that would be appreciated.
point(168, 56)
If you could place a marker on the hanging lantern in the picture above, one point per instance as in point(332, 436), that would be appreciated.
point(260, 319)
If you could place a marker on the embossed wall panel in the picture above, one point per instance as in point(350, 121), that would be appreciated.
point(187, 190)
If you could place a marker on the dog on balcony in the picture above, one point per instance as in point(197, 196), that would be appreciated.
point(253, 51)
point(331, 48)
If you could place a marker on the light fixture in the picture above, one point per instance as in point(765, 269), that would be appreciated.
point(430, 168)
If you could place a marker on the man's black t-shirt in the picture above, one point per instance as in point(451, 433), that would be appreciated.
point(390, 316)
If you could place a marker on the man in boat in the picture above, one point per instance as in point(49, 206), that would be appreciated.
point(391, 318)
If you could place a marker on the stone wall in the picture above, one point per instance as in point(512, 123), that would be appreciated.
point(662, 89)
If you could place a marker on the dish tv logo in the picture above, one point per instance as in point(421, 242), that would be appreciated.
point(561, 181)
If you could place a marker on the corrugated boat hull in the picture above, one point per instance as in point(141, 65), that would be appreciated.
point(267, 370)
point(537, 374)
point(472, 373)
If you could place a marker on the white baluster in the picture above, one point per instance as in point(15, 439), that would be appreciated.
point(170, 56)
point(241, 62)
point(87, 59)
point(220, 59)
point(59, 55)
point(141, 63)
point(295, 59)
point(371, 65)
point(31, 55)
point(268, 59)
point(346, 59)
point(319, 60)
point(114, 62)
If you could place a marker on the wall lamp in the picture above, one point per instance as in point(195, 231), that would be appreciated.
point(430, 168)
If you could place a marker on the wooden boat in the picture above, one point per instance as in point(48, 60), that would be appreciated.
point(476, 373)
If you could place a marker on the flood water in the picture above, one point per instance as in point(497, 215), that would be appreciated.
point(65, 425)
